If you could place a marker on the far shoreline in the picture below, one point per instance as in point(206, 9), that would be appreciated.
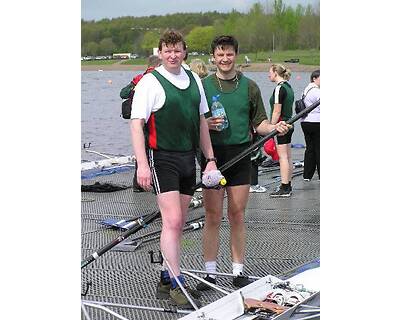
point(253, 67)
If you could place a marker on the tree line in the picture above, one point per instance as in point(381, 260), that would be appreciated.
point(265, 29)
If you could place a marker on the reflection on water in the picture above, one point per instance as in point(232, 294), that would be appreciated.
point(108, 132)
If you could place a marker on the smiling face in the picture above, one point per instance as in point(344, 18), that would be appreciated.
point(172, 56)
point(225, 59)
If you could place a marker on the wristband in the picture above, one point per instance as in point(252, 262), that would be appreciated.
point(211, 159)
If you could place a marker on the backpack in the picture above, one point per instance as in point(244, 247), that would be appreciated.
point(127, 93)
point(126, 108)
point(300, 105)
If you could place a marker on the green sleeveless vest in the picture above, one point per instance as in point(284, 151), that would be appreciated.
point(237, 108)
point(287, 106)
point(176, 126)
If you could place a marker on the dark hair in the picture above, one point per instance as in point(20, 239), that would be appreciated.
point(171, 36)
point(314, 75)
point(222, 41)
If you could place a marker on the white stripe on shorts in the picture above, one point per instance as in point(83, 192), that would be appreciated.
point(153, 172)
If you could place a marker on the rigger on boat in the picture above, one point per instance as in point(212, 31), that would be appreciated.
point(268, 298)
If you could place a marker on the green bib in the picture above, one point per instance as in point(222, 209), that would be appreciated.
point(176, 126)
point(237, 109)
point(287, 106)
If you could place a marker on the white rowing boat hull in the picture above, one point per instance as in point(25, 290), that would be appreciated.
point(231, 306)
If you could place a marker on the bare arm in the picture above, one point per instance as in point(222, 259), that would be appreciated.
point(276, 113)
point(266, 127)
point(143, 169)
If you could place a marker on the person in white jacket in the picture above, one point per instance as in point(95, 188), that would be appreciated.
point(311, 128)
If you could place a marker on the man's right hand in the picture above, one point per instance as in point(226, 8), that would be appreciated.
point(213, 122)
point(144, 176)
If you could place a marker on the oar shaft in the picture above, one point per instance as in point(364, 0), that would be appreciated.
point(260, 142)
point(141, 223)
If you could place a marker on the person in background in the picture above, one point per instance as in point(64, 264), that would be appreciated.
point(199, 66)
point(171, 102)
point(152, 63)
point(281, 103)
point(128, 92)
point(311, 128)
point(241, 98)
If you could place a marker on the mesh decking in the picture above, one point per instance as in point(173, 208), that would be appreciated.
point(281, 235)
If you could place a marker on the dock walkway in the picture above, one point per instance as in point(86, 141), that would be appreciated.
point(282, 234)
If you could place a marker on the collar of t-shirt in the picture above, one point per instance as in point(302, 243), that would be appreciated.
point(180, 80)
point(309, 88)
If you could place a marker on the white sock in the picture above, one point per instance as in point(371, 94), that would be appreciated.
point(237, 268)
point(211, 266)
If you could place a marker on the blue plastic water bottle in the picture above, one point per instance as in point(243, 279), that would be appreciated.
point(218, 110)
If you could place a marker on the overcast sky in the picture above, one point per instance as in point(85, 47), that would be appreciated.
point(99, 9)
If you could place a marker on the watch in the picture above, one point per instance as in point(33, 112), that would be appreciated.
point(211, 159)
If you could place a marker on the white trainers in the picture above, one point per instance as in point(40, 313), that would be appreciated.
point(257, 188)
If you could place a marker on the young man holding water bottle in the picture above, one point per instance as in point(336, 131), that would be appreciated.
point(241, 100)
point(170, 101)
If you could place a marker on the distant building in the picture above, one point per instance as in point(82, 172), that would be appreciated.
point(121, 55)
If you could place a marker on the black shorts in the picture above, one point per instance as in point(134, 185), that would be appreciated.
point(173, 171)
point(240, 172)
point(287, 138)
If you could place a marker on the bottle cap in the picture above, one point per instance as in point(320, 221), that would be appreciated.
point(215, 98)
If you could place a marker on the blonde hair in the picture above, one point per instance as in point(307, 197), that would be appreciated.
point(281, 70)
point(198, 66)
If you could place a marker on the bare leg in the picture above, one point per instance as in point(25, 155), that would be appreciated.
point(237, 201)
point(213, 203)
point(285, 156)
point(290, 160)
point(173, 207)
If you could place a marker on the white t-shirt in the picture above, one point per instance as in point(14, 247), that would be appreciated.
point(312, 93)
point(150, 95)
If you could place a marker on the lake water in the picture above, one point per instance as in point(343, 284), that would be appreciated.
point(107, 132)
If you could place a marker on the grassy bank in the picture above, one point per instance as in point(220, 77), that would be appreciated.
point(98, 62)
point(306, 57)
